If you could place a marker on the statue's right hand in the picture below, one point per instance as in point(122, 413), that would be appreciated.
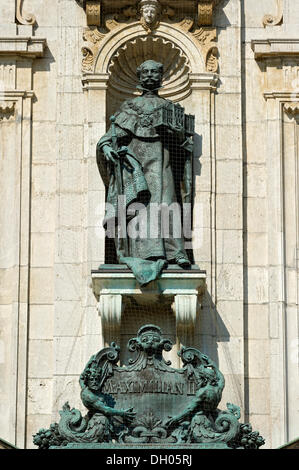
point(128, 414)
point(110, 154)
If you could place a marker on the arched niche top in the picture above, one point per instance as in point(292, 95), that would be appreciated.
point(118, 37)
point(122, 69)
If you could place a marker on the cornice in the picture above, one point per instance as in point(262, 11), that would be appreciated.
point(273, 48)
point(204, 81)
point(14, 94)
point(22, 46)
point(283, 96)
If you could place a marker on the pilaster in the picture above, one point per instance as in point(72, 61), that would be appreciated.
point(16, 94)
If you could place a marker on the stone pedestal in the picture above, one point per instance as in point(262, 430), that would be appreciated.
point(115, 286)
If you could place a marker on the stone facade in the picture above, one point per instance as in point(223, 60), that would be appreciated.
point(62, 74)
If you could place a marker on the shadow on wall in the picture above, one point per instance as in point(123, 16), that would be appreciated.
point(197, 139)
point(220, 20)
point(211, 329)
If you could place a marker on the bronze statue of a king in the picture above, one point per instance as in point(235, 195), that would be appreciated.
point(145, 161)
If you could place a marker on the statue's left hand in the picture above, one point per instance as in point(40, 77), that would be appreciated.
point(188, 145)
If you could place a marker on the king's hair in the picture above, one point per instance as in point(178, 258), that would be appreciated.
point(152, 62)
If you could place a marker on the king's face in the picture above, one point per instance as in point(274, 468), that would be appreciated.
point(150, 77)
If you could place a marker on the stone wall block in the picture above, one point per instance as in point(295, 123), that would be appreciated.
point(257, 285)
point(44, 148)
point(70, 210)
point(258, 359)
point(70, 108)
point(229, 246)
point(229, 177)
point(229, 282)
point(44, 277)
point(68, 282)
point(43, 213)
point(229, 211)
point(257, 214)
point(41, 359)
point(257, 252)
point(41, 322)
point(45, 91)
point(69, 56)
point(40, 396)
point(70, 141)
point(67, 355)
point(42, 249)
point(69, 318)
point(69, 245)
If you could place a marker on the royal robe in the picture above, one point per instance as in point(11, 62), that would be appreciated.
point(156, 170)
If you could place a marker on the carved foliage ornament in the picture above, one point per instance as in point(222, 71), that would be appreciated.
point(292, 108)
point(7, 110)
point(205, 36)
point(122, 402)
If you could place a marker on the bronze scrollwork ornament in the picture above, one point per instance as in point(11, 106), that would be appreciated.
point(122, 402)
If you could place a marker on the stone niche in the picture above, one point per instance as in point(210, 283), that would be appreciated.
point(116, 41)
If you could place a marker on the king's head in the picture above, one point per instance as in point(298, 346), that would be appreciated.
point(150, 74)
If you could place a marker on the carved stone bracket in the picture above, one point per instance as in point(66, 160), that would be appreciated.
point(110, 308)
point(22, 16)
point(176, 288)
point(274, 20)
point(93, 12)
point(186, 308)
point(205, 9)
